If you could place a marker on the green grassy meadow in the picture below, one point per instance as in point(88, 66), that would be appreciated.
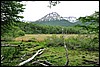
point(54, 54)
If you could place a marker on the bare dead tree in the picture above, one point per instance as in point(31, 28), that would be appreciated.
point(67, 58)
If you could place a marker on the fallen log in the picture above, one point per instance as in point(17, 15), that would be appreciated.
point(9, 45)
point(37, 53)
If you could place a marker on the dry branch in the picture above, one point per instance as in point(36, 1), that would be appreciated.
point(37, 53)
point(44, 62)
point(40, 63)
point(2, 58)
point(67, 61)
point(23, 56)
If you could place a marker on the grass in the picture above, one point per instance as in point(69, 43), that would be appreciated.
point(55, 55)
point(41, 37)
point(77, 57)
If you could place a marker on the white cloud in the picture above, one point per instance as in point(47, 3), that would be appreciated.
point(37, 9)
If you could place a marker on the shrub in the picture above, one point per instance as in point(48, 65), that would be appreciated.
point(9, 52)
point(83, 43)
point(20, 33)
point(11, 33)
point(54, 41)
point(7, 37)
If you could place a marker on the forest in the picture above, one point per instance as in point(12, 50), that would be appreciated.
point(30, 44)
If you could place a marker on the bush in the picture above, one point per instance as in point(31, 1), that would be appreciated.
point(54, 41)
point(11, 33)
point(7, 37)
point(83, 43)
point(9, 52)
point(20, 33)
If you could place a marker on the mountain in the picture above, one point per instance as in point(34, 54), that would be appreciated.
point(55, 19)
point(50, 17)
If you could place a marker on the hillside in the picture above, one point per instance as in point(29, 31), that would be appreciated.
point(54, 19)
point(57, 23)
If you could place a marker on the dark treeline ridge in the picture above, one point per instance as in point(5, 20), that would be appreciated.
point(31, 28)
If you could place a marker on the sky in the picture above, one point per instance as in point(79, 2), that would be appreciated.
point(35, 10)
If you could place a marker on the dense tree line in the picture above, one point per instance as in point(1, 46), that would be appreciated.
point(31, 28)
